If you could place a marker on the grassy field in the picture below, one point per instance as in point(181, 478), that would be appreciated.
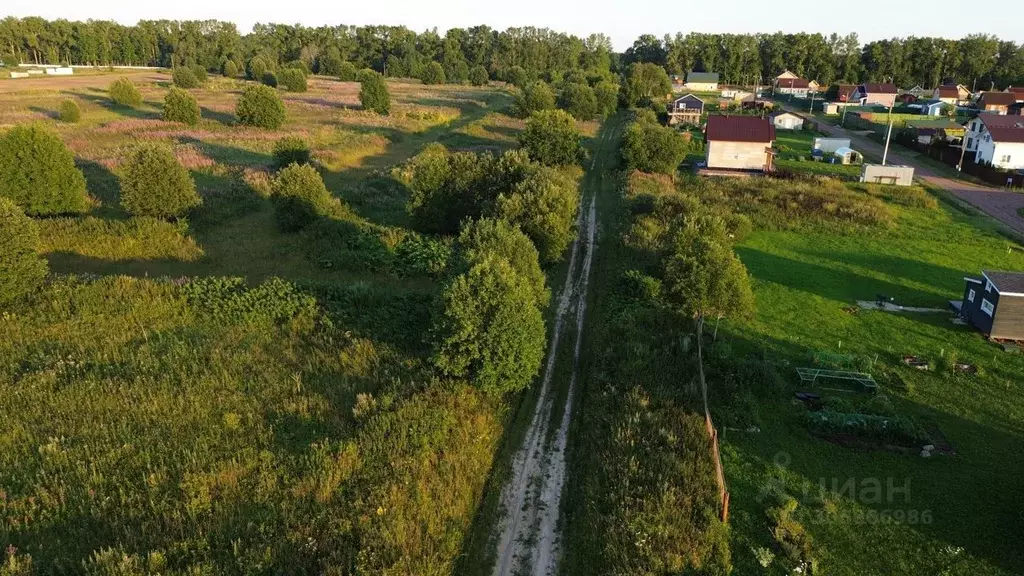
point(948, 514)
point(796, 145)
point(222, 397)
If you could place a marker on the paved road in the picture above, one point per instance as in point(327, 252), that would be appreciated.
point(1003, 205)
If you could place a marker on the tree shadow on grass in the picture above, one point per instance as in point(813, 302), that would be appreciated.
point(230, 155)
point(103, 100)
point(103, 185)
point(907, 268)
point(831, 283)
point(224, 118)
point(51, 114)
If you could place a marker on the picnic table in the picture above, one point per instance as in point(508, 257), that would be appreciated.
point(812, 375)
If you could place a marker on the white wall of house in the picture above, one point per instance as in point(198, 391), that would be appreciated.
point(886, 100)
point(788, 122)
point(702, 86)
point(737, 155)
point(799, 92)
point(1008, 155)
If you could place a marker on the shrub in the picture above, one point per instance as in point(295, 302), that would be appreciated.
point(484, 238)
point(300, 65)
point(374, 94)
point(433, 73)
point(230, 69)
point(329, 63)
point(293, 80)
point(347, 72)
point(552, 138)
point(534, 98)
point(291, 150)
point(478, 76)
point(517, 77)
point(578, 100)
point(544, 205)
point(180, 106)
point(300, 197)
point(154, 183)
point(124, 93)
point(22, 269)
point(257, 68)
point(69, 111)
point(260, 106)
point(269, 79)
point(650, 147)
point(365, 74)
point(184, 77)
point(607, 96)
point(488, 329)
point(457, 73)
point(200, 72)
point(38, 173)
point(644, 82)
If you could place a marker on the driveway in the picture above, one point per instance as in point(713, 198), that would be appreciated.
point(1003, 205)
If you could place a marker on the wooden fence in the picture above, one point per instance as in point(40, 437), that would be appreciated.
point(723, 492)
point(951, 156)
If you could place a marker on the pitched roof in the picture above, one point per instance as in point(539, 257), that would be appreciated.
point(998, 98)
point(793, 83)
point(688, 97)
point(948, 92)
point(1009, 282)
point(1016, 90)
point(705, 77)
point(1005, 129)
point(879, 88)
point(774, 115)
point(740, 129)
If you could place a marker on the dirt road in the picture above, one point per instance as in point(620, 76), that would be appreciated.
point(58, 83)
point(1003, 205)
point(529, 543)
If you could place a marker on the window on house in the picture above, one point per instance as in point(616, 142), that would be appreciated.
point(970, 295)
point(987, 307)
point(1005, 158)
point(988, 286)
point(970, 142)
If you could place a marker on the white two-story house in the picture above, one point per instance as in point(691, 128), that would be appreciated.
point(997, 140)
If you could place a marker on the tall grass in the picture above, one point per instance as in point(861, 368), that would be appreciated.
point(220, 428)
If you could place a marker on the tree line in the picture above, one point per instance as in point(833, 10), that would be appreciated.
point(976, 60)
point(392, 50)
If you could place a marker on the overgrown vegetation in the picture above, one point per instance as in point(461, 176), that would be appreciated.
point(552, 138)
point(260, 106)
point(293, 80)
point(69, 111)
point(38, 173)
point(374, 94)
point(291, 150)
point(154, 183)
point(124, 93)
point(180, 106)
point(22, 269)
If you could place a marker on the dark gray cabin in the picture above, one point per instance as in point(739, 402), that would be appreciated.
point(994, 304)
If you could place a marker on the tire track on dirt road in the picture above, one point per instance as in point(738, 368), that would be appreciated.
point(529, 542)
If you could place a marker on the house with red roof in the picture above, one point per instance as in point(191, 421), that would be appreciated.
point(739, 143)
point(997, 140)
point(996, 102)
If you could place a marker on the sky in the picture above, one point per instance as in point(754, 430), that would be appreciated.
point(622, 20)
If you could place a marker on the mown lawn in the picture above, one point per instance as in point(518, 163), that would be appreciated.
point(959, 514)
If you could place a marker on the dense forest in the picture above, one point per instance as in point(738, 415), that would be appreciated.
point(976, 60)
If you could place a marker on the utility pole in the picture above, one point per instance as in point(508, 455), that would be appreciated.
point(963, 150)
point(888, 135)
point(812, 103)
